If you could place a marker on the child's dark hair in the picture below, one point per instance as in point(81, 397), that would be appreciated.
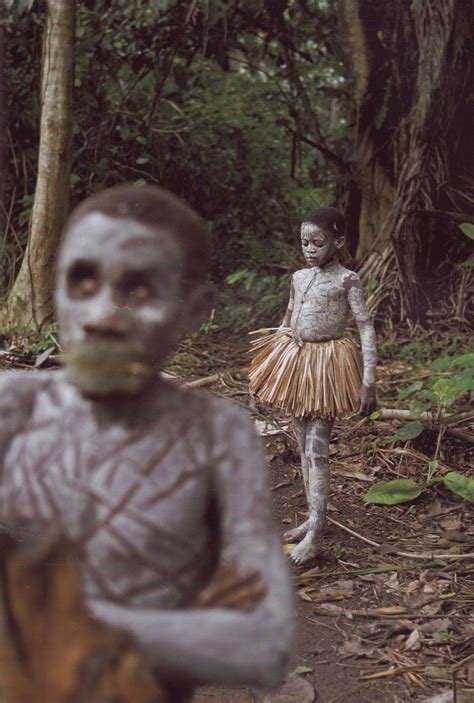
point(329, 219)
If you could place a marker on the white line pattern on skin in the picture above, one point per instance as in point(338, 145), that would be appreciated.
point(321, 300)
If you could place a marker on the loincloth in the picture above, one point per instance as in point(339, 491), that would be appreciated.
point(315, 379)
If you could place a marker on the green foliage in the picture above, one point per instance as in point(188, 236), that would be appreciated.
point(467, 229)
point(439, 393)
point(394, 492)
point(460, 484)
point(409, 431)
point(197, 98)
point(46, 340)
point(403, 490)
point(261, 299)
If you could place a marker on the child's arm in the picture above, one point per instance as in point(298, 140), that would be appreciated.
point(225, 645)
point(289, 310)
point(17, 396)
point(355, 296)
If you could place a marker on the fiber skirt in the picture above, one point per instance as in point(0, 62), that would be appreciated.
point(317, 379)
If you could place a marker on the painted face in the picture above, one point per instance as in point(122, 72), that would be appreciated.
point(318, 246)
point(119, 303)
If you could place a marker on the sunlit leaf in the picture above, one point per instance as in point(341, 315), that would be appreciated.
point(401, 490)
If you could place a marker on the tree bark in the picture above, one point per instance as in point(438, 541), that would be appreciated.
point(30, 301)
point(410, 65)
point(3, 109)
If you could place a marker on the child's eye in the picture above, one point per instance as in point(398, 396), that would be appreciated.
point(82, 280)
point(141, 293)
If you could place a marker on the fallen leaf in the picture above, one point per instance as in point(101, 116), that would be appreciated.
point(329, 609)
point(303, 594)
point(431, 609)
point(457, 536)
point(354, 647)
point(452, 522)
point(437, 509)
point(339, 588)
point(435, 672)
point(432, 626)
point(413, 643)
point(387, 549)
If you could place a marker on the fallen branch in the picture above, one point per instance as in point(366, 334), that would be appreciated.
point(435, 420)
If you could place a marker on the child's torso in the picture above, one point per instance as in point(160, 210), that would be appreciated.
point(138, 503)
point(320, 310)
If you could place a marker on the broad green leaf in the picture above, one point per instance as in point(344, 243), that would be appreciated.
point(142, 160)
point(464, 360)
point(469, 263)
point(375, 415)
point(411, 390)
point(468, 229)
point(410, 430)
point(460, 484)
point(417, 407)
point(401, 490)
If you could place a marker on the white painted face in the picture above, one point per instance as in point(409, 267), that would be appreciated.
point(119, 303)
point(317, 245)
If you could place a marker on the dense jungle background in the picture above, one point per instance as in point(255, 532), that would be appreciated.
point(255, 111)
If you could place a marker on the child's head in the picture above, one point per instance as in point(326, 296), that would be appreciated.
point(131, 278)
point(322, 234)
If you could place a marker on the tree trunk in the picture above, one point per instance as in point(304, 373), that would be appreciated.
point(30, 300)
point(410, 67)
point(3, 110)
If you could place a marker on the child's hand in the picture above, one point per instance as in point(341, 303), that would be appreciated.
point(230, 589)
point(367, 400)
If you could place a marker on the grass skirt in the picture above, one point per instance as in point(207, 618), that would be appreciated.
point(317, 379)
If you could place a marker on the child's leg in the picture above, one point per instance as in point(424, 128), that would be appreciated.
point(317, 453)
point(299, 427)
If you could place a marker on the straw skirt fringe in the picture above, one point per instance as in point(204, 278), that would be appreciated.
point(317, 379)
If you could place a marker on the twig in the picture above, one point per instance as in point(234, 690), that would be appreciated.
point(282, 484)
point(409, 555)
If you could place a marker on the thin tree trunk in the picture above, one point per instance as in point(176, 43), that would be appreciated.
point(30, 300)
point(2, 124)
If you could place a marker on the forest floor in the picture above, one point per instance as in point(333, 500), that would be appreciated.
point(372, 624)
point(382, 614)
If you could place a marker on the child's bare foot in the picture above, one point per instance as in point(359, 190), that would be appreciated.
point(296, 534)
point(305, 551)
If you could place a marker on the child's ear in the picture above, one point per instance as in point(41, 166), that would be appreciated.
point(340, 242)
point(199, 303)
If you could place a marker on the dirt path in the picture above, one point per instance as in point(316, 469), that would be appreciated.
point(373, 625)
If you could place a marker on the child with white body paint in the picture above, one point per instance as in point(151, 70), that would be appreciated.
point(311, 369)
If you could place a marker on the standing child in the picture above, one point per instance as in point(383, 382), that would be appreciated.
point(311, 369)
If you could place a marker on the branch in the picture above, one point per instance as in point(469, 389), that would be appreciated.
point(456, 216)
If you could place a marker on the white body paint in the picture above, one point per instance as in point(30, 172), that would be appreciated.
point(158, 486)
point(321, 300)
